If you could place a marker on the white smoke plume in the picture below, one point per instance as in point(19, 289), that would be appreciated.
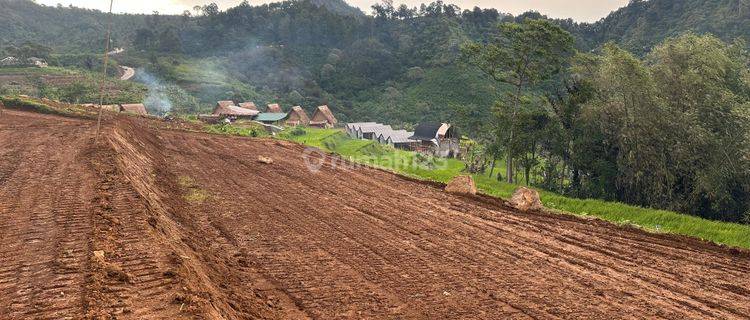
point(157, 101)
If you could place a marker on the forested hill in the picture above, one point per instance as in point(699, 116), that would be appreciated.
point(643, 24)
point(399, 64)
point(72, 29)
point(66, 29)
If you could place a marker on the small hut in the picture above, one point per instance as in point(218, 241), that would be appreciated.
point(228, 109)
point(135, 108)
point(249, 105)
point(224, 103)
point(323, 118)
point(297, 117)
point(106, 107)
point(274, 108)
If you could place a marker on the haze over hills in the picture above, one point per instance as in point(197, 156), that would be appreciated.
point(330, 52)
point(403, 66)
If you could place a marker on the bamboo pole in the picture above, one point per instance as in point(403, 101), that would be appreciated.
point(104, 72)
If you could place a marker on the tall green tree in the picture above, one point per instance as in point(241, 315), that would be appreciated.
point(705, 84)
point(522, 55)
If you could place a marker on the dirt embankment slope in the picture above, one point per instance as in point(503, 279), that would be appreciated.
point(193, 226)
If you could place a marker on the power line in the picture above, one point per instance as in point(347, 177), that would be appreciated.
point(104, 72)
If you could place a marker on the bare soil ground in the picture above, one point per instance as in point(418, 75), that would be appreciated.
point(192, 226)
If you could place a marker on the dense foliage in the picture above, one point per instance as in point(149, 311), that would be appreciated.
point(668, 131)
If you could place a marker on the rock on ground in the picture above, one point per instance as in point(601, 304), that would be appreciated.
point(462, 185)
point(526, 199)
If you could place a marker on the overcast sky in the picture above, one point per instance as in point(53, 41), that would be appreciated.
point(579, 10)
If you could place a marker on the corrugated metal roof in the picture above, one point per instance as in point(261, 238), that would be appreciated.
point(397, 136)
point(402, 136)
point(378, 130)
point(271, 117)
point(371, 128)
point(356, 125)
point(426, 131)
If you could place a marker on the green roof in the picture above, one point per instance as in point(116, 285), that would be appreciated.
point(271, 117)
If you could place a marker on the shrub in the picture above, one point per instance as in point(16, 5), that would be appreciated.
point(298, 131)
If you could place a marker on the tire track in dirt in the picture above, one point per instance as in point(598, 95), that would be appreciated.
point(277, 241)
point(557, 247)
point(43, 231)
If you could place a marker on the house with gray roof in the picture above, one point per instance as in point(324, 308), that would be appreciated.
point(399, 139)
point(372, 131)
point(352, 128)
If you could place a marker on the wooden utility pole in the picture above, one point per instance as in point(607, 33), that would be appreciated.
point(104, 72)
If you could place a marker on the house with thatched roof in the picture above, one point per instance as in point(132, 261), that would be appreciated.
point(228, 109)
point(106, 107)
point(297, 117)
point(135, 108)
point(274, 108)
point(323, 118)
point(225, 103)
point(249, 105)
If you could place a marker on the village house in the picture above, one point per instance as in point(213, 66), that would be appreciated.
point(249, 105)
point(229, 110)
point(353, 128)
point(9, 61)
point(438, 139)
point(38, 62)
point(276, 119)
point(297, 117)
point(274, 108)
point(323, 118)
point(372, 131)
point(135, 108)
point(15, 62)
point(398, 139)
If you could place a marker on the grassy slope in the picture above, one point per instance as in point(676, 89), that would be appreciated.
point(333, 140)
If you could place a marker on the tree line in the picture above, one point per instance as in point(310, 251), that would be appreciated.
point(670, 130)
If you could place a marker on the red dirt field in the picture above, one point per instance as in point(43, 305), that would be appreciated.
point(193, 226)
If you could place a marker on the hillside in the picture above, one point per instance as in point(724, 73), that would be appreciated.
point(66, 29)
point(643, 24)
point(164, 224)
point(327, 52)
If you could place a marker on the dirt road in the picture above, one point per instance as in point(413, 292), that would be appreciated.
point(193, 226)
point(127, 73)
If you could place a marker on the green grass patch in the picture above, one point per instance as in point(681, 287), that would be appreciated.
point(443, 170)
point(29, 105)
point(193, 193)
point(244, 130)
point(35, 71)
